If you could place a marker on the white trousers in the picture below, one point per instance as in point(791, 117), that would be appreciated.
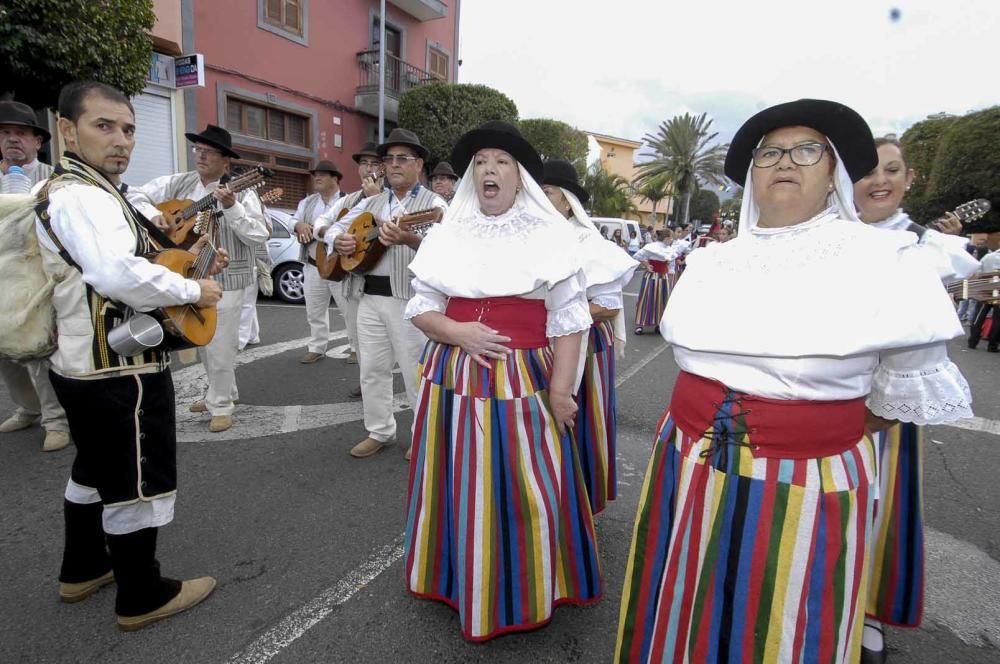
point(384, 338)
point(318, 292)
point(32, 393)
point(219, 356)
point(249, 325)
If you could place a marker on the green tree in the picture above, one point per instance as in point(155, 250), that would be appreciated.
point(683, 151)
point(730, 208)
point(654, 190)
point(440, 113)
point(704, 205)
point(967, 166)
point(557, 140)
point(920, 143)
point(610, 194)
point(45, 44)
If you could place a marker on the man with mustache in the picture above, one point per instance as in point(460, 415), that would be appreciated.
point(21, 137)
point(241, 229)
point(123, 482)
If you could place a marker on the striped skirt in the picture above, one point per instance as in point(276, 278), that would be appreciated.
point(596, 426)
point(499, 525)
point(743, 559)
point(896, 594)
point(653, 293)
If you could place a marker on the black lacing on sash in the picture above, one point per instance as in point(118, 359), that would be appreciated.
point(724, 434)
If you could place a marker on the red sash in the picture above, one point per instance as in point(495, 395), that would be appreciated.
point(659, 267)
point(519, 318)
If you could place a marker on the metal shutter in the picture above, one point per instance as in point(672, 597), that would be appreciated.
point(153, 155)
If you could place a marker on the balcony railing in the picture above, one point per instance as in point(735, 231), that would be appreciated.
point(399, 75)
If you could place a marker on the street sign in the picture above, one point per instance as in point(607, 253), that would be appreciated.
point(189, 71)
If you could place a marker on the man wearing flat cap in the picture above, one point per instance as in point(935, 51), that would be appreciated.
point(241, 229)
point(21, 137)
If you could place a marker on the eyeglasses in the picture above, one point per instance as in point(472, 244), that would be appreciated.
point(805, 154)
point(370, 163)
point(197, 149)
point(397, 159)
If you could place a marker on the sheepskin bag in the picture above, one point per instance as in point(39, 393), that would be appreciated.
point(27, 315)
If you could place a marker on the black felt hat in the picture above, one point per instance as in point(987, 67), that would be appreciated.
point(405, 137)
point(16, 113)
point(218, 138)
point(501, 136)
point(444, 169)
point(367, 150)
point(561, 173)
point(327, 166)
point(847, 130)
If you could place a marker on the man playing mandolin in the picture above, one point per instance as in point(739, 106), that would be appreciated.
point(384, 338)
point(241, 228)
point(120, 409)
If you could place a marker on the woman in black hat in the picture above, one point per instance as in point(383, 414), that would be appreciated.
point(499, 525)
point(607, 269)
point(754, 522)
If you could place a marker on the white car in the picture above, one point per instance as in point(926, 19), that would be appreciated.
point(629, 229)
point(284, 251)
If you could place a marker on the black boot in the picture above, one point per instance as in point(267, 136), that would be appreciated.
point(141, 589)
point(85, 556)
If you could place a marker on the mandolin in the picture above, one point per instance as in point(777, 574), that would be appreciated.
point(369, 250)
point(328, 265)
point(982, 287)
point(271, 196)
point(180, 214)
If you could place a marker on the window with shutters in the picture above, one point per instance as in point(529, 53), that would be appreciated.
point(271, 124)
point(437, 63)
point(287, 18)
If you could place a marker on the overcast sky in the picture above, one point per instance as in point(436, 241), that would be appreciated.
point(621, 67)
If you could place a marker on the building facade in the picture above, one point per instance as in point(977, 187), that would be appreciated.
point(618, 157)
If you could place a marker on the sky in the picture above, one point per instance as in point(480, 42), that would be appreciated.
point(625, 66)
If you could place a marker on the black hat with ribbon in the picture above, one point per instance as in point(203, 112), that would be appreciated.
point(406, 138)
point(501, 136)
point(16, 113)
point(327, 166)
point(218, 138)
point(444, 169)
point(561, 173)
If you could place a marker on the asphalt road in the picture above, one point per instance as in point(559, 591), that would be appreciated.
point(305, 540)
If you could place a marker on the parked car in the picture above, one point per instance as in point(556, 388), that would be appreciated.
point(628, 227)
point(284, 251)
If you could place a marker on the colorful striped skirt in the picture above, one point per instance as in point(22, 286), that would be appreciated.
point(653, 293)
point(499, 525)
point(596, 426)
point(743, 559)
point(896, 594)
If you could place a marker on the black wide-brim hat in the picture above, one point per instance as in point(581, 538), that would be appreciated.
point(561, 173)
point(217, 137)
point(501, 136)
point(22, 115)
point(327, 166)
point(367, 150)
point(847, 130)
point(444, 169)
point(405, 137)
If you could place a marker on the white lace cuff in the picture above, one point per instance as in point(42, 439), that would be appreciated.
point(572, 318)
point(611, 302)
point(927, 396)
point(422, 303)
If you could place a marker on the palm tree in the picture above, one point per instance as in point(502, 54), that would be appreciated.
point(682, 152)
point(654, 190)
point(610, 194)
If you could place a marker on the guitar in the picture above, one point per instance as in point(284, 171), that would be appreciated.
point(966, 213)
point(369, 250)
point(328, 265)
point(982, 287)
point(180, 213)
point(187, 325)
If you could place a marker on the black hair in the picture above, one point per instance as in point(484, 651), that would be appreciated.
point(72, 96)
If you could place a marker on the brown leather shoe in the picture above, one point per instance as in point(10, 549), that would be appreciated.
point(311, 358)
point(55, 441)
point(220, 423)
point(75, 592)
point(192, 592)
point(368, 447)
point(352, 358)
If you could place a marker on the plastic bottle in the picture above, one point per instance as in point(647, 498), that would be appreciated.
point(15, 182)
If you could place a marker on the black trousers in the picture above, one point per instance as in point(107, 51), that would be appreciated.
point(976, 329)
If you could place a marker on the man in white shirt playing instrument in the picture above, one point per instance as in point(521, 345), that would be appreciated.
point(241, 228)
point(384, 338)
point(20, 139)
point(120, 409)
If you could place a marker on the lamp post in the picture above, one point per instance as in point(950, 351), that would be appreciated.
point(381, 73)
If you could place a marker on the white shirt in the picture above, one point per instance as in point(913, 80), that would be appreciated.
point(991, 262)
point(91, 226)
point(948, 252)
point(320, 208)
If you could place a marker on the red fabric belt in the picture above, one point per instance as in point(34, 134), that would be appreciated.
point(776, 428)
point(519, 318)
point(659, 267)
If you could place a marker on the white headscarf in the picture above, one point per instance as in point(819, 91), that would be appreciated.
point(840, 201)
point(578, 212)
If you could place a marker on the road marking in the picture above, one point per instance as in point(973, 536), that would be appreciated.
point(638, 366)
point(298, 623)
point(977, 424)
point(631, 294)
